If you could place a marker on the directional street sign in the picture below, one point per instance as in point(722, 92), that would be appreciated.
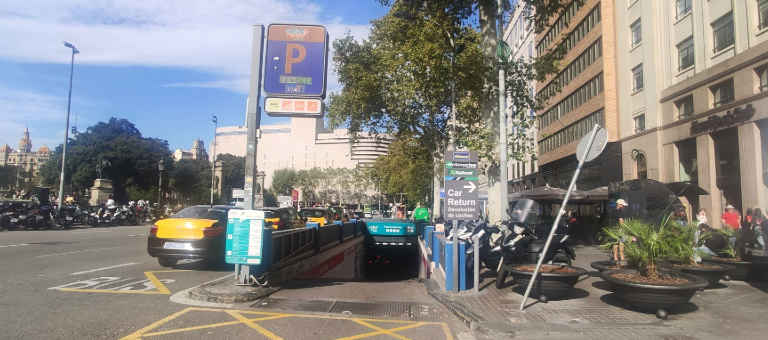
point(296, 61)
point(461, 192)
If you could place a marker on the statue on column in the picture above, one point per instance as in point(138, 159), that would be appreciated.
point(100, 165)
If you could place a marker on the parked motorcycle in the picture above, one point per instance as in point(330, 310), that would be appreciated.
point(66, 216)
point(38, 216)
point(489, 256)
point(10, 218)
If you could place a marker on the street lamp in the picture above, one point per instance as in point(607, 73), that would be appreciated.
point(66, 130)
point(215, 121)
point(454, 51)
point(161, 167)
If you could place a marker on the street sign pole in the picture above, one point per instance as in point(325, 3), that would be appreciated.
point(584, 153)
point(251, 200)
point(461, 197)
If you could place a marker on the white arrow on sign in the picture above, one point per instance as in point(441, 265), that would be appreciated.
point(471, 186)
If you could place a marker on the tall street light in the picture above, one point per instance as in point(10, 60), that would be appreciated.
point(161, 167)
point(66, 130)
point(454, 51)
point(215, 121)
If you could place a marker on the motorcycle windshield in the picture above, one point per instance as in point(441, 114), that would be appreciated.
point(526, 211)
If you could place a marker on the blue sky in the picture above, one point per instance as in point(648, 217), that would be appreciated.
point(166, 65)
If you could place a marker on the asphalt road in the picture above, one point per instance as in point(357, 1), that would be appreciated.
point(99, 283)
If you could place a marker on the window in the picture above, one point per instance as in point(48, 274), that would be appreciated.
point(571, 133)
point(685, 107)
point(762, 13)
point(637, 35)
point(685, 54)
point(763, 74)
point(642, 166)
point(683, 7)
point(722, 32)
point(574, 69)
point(640, 123)
point(723, 93)
point(581, 95)
point(637, 78)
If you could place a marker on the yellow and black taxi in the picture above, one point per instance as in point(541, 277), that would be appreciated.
point(321, 216)
point(283, 218)
point(197, 232)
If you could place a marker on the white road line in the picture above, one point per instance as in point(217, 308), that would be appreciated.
point(79, 251)
point(15, 245)
point(86, 232)
point(105, 268)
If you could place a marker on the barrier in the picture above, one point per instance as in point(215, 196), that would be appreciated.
point(292, 244)
point(328, 236)
point(347, 231)
point(446, 262)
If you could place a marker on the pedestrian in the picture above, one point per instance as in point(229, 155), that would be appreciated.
point(617, 217)
point(747, 229)
point(421, 213)
point(730, 218)
point(757, 228)
point(701, 220)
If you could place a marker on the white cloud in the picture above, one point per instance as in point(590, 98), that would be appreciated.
point(203, 35)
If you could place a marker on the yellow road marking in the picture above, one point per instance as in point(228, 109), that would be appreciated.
point(137, 334)
point(258, 328)
point(447, 331)
point(161, 289)
point(381, 331)
point(214, 325)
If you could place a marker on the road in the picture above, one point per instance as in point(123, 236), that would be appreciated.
point(99, 283)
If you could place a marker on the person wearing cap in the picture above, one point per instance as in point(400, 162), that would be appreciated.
point(731, 218)
point(617, 217)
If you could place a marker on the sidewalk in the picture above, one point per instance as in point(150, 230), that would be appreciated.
point(590, 311)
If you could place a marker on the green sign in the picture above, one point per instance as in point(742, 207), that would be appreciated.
point(462, 172)
point(455, 165)
point(503, 50)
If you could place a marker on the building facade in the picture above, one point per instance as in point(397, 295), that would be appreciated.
point(582, 94)
point(302, 144)
point(520, 36)
point(696, 106)
point(197, 151)
point(30, 161)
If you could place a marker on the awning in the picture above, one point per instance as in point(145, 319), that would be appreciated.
point(686, 189)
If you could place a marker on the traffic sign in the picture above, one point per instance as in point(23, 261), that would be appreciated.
point(461, 193)
point(244, 236)
point(297, 59)
point(294, 107)
point(598, 145)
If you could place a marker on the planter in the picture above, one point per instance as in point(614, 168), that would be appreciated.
point(744, 270)
point(602, 266)
point(654, 297)
point(551, 285)
point(712, 275)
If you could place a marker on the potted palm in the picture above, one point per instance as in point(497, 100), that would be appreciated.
point(612, 238)
point(688, 259)
point(643, 284)
point(735, 253)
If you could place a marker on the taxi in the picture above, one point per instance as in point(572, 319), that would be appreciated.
point(321, 216)
point(197, 232)
point(283, 218)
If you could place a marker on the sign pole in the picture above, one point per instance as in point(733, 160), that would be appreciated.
point(253, 122)
point(461, 197)
point(559, 214)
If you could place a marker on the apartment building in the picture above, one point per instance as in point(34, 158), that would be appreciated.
point(583, 94)
point(695, 104)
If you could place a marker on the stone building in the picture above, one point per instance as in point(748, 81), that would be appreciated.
point(197, 151)
point(28, 160)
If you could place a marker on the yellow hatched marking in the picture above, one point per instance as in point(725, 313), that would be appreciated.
point(221, 324)
point(382, 331)
point(258, 328)
point(137, 334)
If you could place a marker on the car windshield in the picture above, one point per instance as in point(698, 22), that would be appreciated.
point(208, 213)
point(271, 214)
point(312, 213)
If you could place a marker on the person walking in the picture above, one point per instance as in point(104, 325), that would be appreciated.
point(421, 213)
point(617, 217)
point(731, 218)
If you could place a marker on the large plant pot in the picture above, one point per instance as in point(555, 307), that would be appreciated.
point(712, 275)
point(653, 297)
point(744, 270)
point(552, 285)
point(602, 266)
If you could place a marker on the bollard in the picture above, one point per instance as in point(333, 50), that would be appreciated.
point(476, 244)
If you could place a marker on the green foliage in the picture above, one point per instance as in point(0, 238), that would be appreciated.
point(232, 171)
point(645, 244)
point(738, 249)
point(191, 179)
point(283, 181)
point(269, 199)
point(406, 168)
point(8, 174)
point(131, 155)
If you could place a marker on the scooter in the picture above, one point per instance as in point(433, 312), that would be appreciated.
point(39, 216)
point(66, 216)
point(488, 256)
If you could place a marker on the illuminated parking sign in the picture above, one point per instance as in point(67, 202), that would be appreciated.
point(296, 61)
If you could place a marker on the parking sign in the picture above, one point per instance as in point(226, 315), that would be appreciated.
point(296, 60)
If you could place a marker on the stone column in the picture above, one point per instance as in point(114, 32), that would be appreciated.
point(705, 155)
point(670, 162)
point(751, 167)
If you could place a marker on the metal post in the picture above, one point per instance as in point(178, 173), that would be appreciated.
point(503, 175)
point(254, 123)
point(453, 144)
point(213, 166)
point(66, 131)
point(476, 258)
point(160, 190)
point(557, 219)
point(18, 170)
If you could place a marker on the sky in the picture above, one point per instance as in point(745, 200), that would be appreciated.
point(165, 65)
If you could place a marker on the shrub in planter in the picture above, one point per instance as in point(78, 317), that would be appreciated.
point(553, 280)
point(746, 265)
point(644, 285)
point(685, 260)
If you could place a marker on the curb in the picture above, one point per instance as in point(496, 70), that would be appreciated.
point(244, 294)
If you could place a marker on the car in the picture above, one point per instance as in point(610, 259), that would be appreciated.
point(320, 216)
point(338, 214)
point(197, 232)
point(359, 215)
point(283, 218)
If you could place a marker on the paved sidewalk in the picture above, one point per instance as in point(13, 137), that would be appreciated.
point(732, 310)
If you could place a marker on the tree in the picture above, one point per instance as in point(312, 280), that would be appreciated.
point(283, 181)
point(7, 176)
point(131, 156)
point(308, 182)
point(406, 168)
point(191, 179)
point(232, 171)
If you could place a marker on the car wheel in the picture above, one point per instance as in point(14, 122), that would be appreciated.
point(501, 276)
point(166, 262)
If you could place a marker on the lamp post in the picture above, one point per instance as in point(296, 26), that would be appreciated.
point(18, 169)
point(161, 167)
point(503, 175)
point(454, 52)
point(215, 121)
point(66, 130)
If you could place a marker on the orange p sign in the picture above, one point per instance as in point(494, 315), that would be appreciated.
point(290, 60)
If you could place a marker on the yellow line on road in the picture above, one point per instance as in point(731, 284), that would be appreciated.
point(159, 285)
point(137, 334)
point(382, 331)
point(258, 328)
point(447, 331)
point(213, 325)
point(110, 291)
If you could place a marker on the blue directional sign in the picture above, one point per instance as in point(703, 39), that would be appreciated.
point(245, 229)
point(296, 61)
